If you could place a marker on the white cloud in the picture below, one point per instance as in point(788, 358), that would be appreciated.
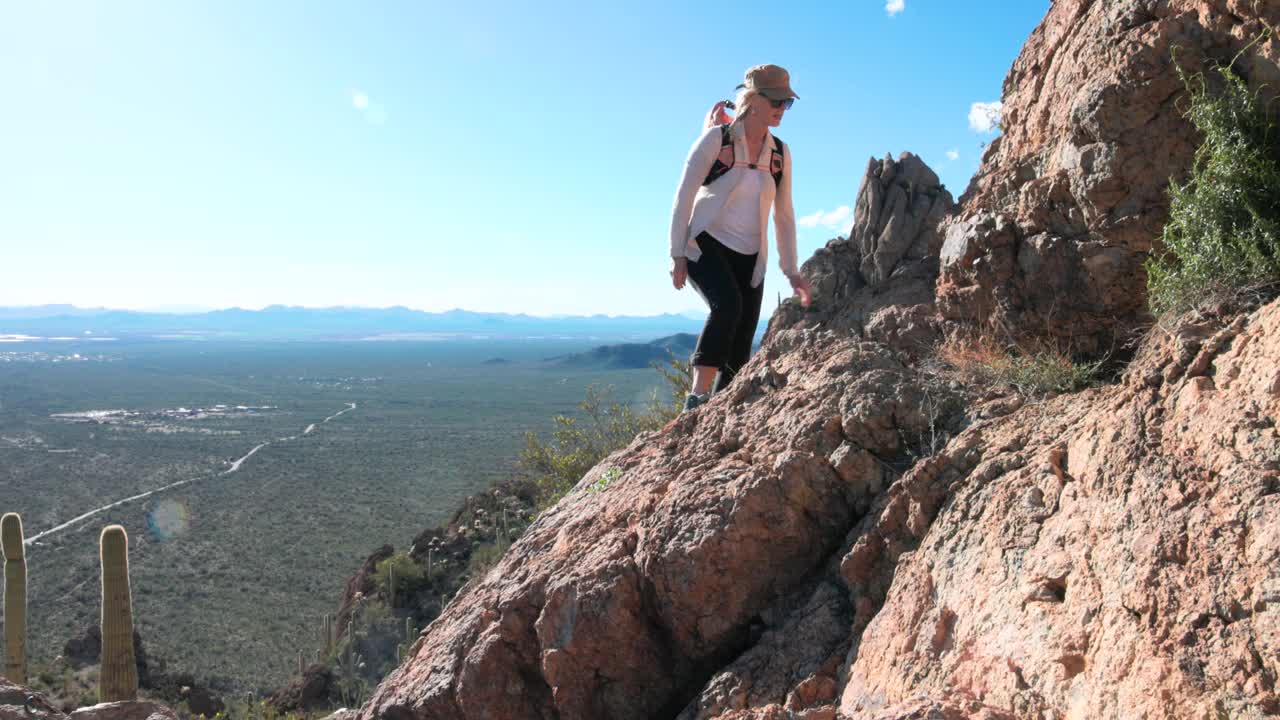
point(953, 154)
point(893, 7)
point(837, 219)
point(984, 117)
point(375, 113)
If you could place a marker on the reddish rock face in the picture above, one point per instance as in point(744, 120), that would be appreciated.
point(1068, 201)
point(878, 283)
point(1114, 553)
point(621, 603)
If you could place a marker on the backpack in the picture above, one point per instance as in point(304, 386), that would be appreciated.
point(720, 167)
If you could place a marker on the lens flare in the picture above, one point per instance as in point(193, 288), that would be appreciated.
point(169, 519)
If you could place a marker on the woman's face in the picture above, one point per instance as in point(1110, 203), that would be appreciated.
point(772, 115)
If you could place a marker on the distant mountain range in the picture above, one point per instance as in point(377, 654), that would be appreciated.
point(627, 356)
point(630, 355)
point(338, 323)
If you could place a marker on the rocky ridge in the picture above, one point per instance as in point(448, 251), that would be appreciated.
point(844, 533)
point(1069, 198)
point(1090, 556)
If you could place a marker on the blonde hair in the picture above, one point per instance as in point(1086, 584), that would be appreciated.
point(743, 102)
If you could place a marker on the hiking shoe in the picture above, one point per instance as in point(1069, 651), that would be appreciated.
point(692, 401)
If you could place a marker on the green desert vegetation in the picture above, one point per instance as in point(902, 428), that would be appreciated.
point(228, 572)
point(398, 575)
point(1223, 233)
point(382, 627)
point(115, 676)
point(1222, 239)
point(601, 426)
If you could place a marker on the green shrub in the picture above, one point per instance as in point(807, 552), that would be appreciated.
point(1047, 373)
point(602, 426)
point(1223, 232)
point(408, 575)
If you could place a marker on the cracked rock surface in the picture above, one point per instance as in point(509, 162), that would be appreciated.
point(1070, 197)
point(778, 553)
point(622, 603)
point(1110, 554)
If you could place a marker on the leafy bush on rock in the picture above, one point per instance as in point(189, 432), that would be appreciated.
point(1223, 233)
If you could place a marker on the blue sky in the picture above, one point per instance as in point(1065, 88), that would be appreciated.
point(489, 155)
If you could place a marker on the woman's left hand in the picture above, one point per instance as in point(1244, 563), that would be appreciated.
point(717, 116)
point(802, 288)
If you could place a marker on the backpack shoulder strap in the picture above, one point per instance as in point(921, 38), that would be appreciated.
point(777, 161)
point(719, 168)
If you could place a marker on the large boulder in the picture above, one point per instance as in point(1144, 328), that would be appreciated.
point(878, 283)
point(315, 689)
point(1069, 199)
point(896, 217)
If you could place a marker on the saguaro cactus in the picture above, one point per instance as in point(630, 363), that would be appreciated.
point(410, 635)
point(118, 679)
point(15, 599)
point(326, 633)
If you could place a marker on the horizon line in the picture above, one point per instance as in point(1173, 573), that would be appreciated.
point(281, 306)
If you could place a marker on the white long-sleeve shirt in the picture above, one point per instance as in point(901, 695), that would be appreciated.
point(737, 227)
point(696, 207)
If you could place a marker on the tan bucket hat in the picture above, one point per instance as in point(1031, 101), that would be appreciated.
point(770, 81)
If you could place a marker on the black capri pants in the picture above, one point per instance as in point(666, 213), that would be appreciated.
point(723, 278)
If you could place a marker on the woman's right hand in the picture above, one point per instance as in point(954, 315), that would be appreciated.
point(717, 116)
point(679, 271)
point(802, 288)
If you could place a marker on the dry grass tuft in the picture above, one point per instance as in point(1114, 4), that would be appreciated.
point(1036, 371)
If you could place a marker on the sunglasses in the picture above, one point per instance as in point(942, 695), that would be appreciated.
point(784, 104)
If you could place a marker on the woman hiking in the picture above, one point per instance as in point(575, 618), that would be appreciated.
point(719, 224)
